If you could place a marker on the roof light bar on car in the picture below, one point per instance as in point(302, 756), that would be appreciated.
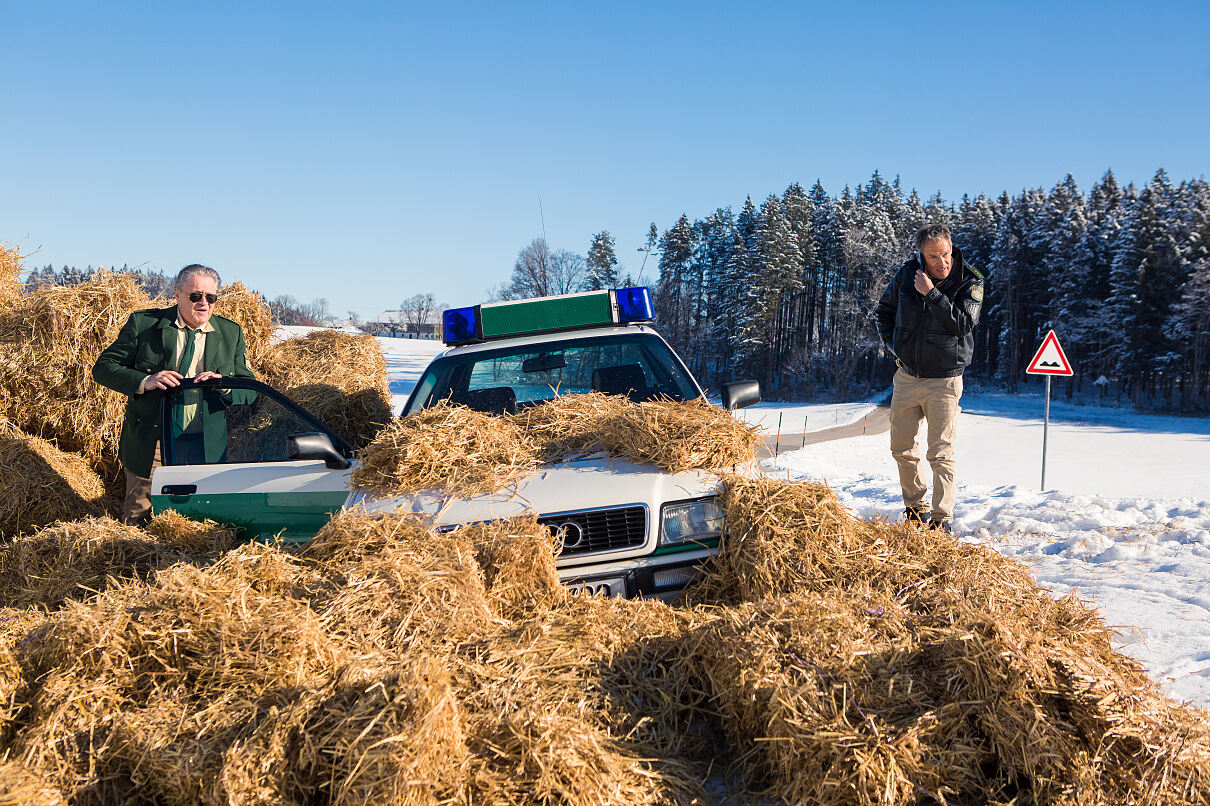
point(527, 317)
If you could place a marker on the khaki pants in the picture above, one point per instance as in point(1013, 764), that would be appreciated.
point(136, 506)
point(934, 400)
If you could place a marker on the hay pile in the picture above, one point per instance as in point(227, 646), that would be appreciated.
point(76, 560)
point(450, 449)
point(679, 436)
point(40, 484)
point(458, 451)
point(868, 663)
point(249, 310)
point(10, 272)
point(21, 787)
point(338, 377)
point(49, 340)
point(379, 666)
point(388, 662)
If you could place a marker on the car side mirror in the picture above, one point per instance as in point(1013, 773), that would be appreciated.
point(739, 394)
point(314, 445)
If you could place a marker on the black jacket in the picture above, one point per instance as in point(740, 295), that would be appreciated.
point(932, 336)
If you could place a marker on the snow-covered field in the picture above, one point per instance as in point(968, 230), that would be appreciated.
point(1124, 522)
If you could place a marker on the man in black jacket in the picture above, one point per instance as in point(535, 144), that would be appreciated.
point(926, 317)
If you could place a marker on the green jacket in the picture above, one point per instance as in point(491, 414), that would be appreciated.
point(146, 345)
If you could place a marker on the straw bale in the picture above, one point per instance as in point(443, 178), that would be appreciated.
point(447, 448)
point(10, 276)
point(852, 699)
point(149, 683)
point(40, 484)
point(679, 436)
point(48, 343)
point(567, 426)
point(551, 708)
point(17, 627)
point(339, 377)
point(451, 449)
point(21, 786)
point(394, 740)
point(356, 417)
point(171, 750)
point(517, 556)
point(77, 559)
point(248, 309)
point(872, 662)
point(672, 434)
point(788, 537)
point(552, 753)
point(403, 587)
point(234, 628)
point(67, 727)
point(191, 537)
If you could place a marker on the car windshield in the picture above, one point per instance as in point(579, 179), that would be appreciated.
point(638, 365)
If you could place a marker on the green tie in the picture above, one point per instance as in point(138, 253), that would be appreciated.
point(178, 414)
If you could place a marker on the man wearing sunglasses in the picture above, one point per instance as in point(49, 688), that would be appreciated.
point(155, 350)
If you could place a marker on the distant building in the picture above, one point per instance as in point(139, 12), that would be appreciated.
point(395, 323)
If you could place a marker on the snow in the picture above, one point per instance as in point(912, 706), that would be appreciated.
point(406, 359)
point(292, 331)
point(1124, 522)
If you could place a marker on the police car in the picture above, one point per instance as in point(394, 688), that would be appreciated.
point(625, 529)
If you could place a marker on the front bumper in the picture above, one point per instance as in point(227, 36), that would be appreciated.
point(652, 578)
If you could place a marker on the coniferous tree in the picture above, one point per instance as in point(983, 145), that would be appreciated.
point(774, 258)
point(601, 264)
point(672, 295)
point(1021, 288)
point(799, 211)
point(1147, 272)
point(1068, 266)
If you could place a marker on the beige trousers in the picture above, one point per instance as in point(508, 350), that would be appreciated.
point(934, 400)
point(136, 506)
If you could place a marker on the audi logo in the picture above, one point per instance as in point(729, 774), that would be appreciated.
point(571, 533)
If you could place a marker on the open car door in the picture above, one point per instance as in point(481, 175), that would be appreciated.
point(238, 452)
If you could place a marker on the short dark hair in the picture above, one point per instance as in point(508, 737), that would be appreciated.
point(932, 232)
point(184, 274)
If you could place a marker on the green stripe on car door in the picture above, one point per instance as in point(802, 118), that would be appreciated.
point(296, 516)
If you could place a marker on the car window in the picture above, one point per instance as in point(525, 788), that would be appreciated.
point(640, 366)
point(221, 425)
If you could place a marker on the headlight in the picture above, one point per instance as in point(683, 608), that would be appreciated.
point(691, 522)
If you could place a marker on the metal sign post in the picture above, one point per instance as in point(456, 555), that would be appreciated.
point(1049, 360)
point(1045, 428)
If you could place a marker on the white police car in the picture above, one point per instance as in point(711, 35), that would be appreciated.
point(626, 529)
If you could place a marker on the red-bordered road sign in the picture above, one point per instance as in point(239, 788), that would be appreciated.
point(1050, 359)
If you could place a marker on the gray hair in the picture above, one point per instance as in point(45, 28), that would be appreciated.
point(932, 232)
point(184, 274)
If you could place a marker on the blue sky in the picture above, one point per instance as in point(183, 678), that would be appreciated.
point(369, 151)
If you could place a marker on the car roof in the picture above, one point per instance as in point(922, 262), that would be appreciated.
point(547, 338)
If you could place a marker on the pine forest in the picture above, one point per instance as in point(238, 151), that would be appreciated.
point(785, 293)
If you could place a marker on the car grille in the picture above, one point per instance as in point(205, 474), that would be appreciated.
point(599, 530)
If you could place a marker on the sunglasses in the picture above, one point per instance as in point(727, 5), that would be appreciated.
point(196, 296)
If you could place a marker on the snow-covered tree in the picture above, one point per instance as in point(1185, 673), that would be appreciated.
point(601, 264)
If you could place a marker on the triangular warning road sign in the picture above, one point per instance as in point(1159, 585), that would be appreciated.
point(1050, 360)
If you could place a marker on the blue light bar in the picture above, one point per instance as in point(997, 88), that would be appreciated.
point(634, 305)
point(460, 325)
point(527, 317)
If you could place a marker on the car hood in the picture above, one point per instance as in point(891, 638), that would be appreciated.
point(595, 482)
